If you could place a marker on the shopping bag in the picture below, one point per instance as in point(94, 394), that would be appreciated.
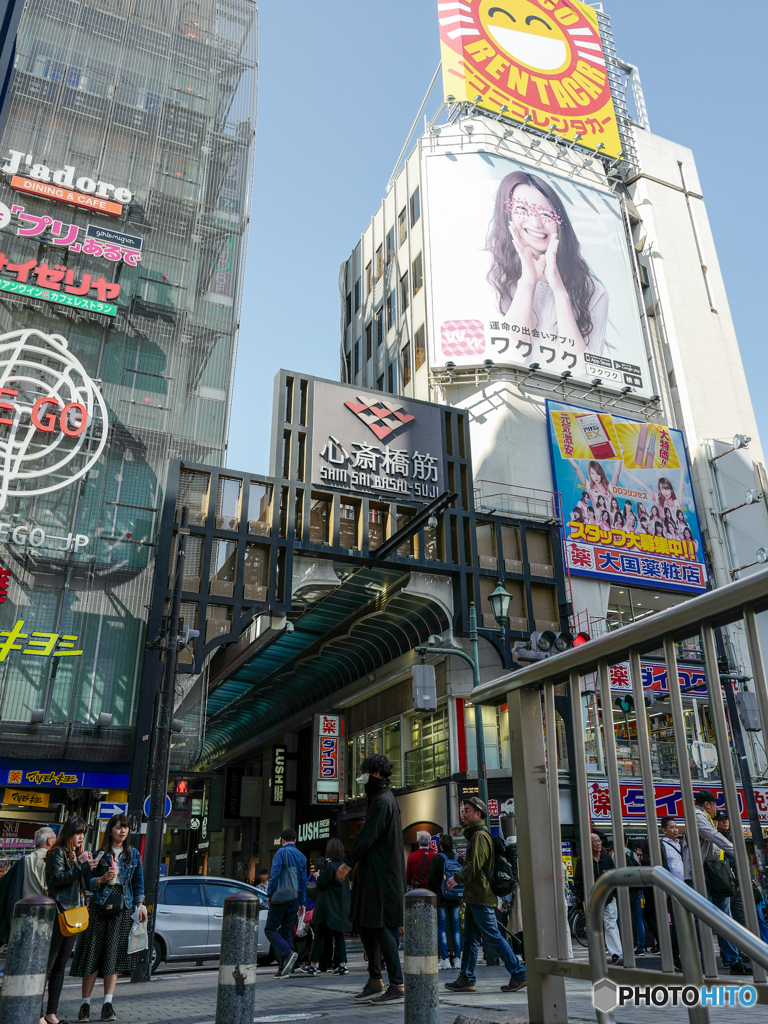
point(301, 925)
point(137, 939)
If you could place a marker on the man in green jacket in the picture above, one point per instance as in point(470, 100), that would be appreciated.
point(480, 903)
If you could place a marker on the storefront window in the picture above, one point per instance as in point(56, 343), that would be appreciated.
point(380, 739)
point(428, 759)
point(490, 737)
point(392, 748)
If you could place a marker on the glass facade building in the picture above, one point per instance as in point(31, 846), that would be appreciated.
point(157, 101)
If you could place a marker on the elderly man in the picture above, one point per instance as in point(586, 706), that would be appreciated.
point(602, 862)
point(34, 864)
point(25, 878)
point(417, 866)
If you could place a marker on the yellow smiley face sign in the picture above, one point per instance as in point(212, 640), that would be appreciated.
point(541, 59)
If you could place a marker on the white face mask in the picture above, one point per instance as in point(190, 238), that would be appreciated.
point(362, 779)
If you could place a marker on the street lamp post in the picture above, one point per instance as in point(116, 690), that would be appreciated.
point(500, 601)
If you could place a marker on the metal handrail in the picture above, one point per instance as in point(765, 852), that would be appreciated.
point(721, 607)
point(691, 902)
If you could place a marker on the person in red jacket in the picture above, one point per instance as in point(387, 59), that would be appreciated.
point(418, 863)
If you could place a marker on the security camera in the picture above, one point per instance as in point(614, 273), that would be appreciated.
point(434, 640)
point(432, 523)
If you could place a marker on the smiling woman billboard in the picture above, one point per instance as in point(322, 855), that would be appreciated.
point(527, 266)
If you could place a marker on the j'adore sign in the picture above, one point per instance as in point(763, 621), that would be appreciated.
point(39, 179)
point(53, 419)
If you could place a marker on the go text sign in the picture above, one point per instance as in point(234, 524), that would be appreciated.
point(541, 59)
point(53, 419)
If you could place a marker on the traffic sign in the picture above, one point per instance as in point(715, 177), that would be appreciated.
point(194, 824)
point(107, 810)
point(168, 806)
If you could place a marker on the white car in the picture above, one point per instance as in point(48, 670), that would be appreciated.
point(190, 912)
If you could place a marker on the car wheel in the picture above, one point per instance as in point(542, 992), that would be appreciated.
point(265, 959)
point(158, 956)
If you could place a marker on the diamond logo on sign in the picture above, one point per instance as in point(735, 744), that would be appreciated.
point(385, 418)
point(52, 415)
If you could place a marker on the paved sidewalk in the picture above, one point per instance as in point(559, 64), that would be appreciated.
point(189, 997)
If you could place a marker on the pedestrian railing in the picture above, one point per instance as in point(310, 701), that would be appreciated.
point(530, 696)
point(687, 903)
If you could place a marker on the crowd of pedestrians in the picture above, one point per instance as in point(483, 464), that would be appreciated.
point(722, 887)
point(96, 898)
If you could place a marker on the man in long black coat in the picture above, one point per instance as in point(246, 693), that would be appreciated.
point(379, 885)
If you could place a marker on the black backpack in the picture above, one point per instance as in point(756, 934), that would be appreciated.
point(503, 877)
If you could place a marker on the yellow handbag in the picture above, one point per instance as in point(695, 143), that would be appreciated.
point(73, 922)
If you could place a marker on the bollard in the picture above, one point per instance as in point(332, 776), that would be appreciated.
point(420, 947)
point(236, 998)
point(27, 960)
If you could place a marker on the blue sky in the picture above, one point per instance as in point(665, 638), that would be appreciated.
point(339, 86)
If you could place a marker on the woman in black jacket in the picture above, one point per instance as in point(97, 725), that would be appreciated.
point(330, 918)
point(67, 871)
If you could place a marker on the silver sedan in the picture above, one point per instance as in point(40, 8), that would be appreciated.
point(190, 911)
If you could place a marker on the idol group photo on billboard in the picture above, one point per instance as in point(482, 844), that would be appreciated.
point(626, 499)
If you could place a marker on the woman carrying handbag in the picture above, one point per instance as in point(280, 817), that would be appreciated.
point(118, 886)
point(67, 871)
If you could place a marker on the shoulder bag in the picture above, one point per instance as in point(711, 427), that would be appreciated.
point(76, 920)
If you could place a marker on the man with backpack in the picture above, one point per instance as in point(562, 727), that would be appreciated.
point(286, 894)
point(486, 875)
point(442, 869)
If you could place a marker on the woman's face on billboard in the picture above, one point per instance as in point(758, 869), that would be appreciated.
point(534, 217)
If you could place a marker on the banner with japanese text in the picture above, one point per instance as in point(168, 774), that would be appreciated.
point(536, 59)
point(669, 800)
point(627, 501)
point(529, 268)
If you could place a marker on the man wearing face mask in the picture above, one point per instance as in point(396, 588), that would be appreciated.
point(379, 885)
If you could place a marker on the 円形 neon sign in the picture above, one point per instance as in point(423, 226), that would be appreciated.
point(53, 419)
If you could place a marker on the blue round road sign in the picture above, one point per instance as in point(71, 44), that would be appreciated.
point(168, 806)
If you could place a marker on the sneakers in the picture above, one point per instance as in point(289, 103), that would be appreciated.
point(514, 984)
point(460, 985)
point(107, 1013)
point(85, 1012)
point(617, 961)
point(444, 965)
point(309, 969)
point(374, 987)
point(394, 994)
point(341, 969)
point(285, 970)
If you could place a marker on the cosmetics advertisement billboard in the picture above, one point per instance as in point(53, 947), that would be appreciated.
point(627, 501)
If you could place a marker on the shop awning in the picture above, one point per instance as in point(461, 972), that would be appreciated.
point(370, 617)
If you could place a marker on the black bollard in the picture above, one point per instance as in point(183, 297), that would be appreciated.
point(236, 997)
point(420, 962)
point(27, 960)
